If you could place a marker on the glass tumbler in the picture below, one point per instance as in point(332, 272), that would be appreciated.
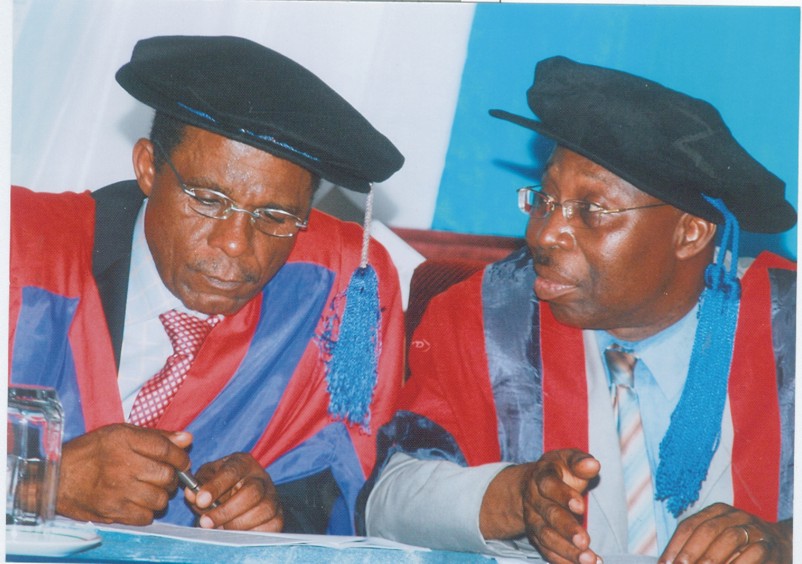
point(35, 431)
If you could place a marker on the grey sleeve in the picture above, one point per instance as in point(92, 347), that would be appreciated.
point(436, 503)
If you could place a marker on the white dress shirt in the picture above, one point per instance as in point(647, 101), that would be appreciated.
point(145, 345)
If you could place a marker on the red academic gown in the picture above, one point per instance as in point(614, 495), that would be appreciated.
point(258, 383)
point(493, 376)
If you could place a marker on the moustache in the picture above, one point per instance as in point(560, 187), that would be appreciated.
point(540, 257)
point(218, 269)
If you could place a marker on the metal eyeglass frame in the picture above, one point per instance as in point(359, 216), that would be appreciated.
point(259, 217)
point(570, 208)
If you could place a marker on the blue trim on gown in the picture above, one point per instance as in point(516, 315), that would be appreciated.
point(42, 354)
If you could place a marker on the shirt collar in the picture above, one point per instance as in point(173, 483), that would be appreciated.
point(667, 355)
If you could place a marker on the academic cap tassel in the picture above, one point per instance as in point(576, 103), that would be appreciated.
point(352, 369)
point(695, 429)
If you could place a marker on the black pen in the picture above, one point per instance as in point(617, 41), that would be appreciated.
point(189, 481)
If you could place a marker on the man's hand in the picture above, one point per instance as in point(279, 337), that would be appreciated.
point(120, 473)
point(721, 533)
point(543, 500)
point(247, 496)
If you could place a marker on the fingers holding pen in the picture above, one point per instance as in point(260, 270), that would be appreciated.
point(120, 473)
point(248, 499)
point(251, 507)
point(167, 451)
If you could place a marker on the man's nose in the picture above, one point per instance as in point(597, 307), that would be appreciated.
point(232, 235)
point(550, 232)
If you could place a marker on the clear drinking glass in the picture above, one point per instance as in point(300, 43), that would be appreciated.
point(35, 431)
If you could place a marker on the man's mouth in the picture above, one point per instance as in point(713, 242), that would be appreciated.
point(551, 289)
point(223, 284)
point(224, 278)
point(550, 284)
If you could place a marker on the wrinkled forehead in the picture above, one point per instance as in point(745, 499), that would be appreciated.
point(249, 175)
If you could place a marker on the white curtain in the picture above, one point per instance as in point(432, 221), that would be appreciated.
point(73, 126)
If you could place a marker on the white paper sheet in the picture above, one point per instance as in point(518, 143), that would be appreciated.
point(248, 538)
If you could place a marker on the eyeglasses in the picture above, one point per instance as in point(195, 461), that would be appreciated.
point(579, 213)
point(216, 205)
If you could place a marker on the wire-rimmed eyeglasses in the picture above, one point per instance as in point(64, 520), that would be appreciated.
point(580, 213)
point(216, 205)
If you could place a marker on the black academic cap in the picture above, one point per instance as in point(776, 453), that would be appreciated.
point(665, 143)
point(244, 91)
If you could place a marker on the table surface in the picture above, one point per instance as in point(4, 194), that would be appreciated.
point(160, 543)
point(131, 546)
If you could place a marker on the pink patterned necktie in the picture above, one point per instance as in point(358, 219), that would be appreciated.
point(642, 529)
point(186, 334)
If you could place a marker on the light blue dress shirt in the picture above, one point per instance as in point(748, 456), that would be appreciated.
point(437, 503)
point(659, 380)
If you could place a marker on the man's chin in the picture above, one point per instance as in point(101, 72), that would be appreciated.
point(568, 316)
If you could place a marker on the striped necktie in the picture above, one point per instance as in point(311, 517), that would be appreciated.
point(642, 530)
point(186, 334)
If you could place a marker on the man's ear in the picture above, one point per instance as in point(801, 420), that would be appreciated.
point(144, 166)
point(694, 234)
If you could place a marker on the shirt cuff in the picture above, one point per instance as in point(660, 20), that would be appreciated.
point(431, 503)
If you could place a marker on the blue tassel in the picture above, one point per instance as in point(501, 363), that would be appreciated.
point(695, 428)
point(352, 368)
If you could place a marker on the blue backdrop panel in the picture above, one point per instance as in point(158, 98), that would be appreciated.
point(743, 60)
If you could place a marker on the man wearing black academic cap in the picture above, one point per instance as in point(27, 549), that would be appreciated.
point(204, 318)
point(647, 373)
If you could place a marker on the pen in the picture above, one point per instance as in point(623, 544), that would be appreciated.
point(189, 481)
